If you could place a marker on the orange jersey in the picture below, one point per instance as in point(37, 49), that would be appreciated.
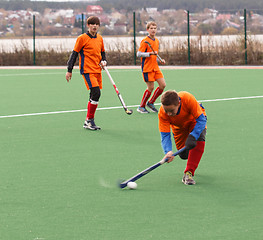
point(185, 120)
point(149, 64)
point(90, 49)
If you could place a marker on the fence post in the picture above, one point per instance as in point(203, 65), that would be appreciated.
point(134, 38)
point(188, 31)
point(34, 40)
point(82, 22)
point(245, 32)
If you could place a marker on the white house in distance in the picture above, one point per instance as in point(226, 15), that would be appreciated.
point(94, 10)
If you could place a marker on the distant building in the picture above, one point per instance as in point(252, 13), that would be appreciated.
point(151, 10)
point(223, 17)
point(232, 24)
point(120, 27)
point(78, 17)
point(104, 19)
point(58, 25)
point(153, 13)
point(94, 10)
point(69, 17)
point(13, 17)
point(213, 12)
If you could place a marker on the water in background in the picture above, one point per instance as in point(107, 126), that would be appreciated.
point(122, 44)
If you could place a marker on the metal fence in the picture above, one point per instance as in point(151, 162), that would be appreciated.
point(180, 32)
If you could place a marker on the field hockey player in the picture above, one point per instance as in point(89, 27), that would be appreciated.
point(187, 118)
point(151, 72)
point(92, 59)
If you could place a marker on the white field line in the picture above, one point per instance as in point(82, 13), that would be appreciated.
point(57, 73)
point(131, 106)
point(31, 74)
point(229, 99)
point(112, 68)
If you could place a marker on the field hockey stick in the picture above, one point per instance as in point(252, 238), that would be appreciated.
point(147, 170)
point(129, 112)
point(160, 59)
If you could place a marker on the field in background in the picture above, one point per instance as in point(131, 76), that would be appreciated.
point(58, 181)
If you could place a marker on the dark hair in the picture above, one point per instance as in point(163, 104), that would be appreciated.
point(93, 20)
point(170, 97)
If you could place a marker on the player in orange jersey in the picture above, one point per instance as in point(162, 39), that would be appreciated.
point(187, 118)
point(90, 48)
point(150, 69)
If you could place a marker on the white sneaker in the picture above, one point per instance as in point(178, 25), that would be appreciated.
point(90, 124)
point(188, 179)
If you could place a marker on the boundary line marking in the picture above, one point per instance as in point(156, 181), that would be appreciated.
point(109, 108)
point(57, 73)
point(113, 68)
point(229, 99)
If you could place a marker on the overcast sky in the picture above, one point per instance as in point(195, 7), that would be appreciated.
point(64, 0)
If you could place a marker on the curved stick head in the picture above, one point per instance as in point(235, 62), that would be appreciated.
point(122, 183)
point(129, 112)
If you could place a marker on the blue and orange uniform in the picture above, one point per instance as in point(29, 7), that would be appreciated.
point(150, 72)
point(190, 119)
point(149, 65)
point(91, 51)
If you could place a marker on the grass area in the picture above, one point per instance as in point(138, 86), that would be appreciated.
point(58, 181)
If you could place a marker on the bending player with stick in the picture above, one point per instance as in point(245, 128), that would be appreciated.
point(151, 72)
point(187, 118)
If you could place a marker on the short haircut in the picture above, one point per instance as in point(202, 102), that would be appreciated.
point(150, 24)
point(93, 20)
point(170, 97)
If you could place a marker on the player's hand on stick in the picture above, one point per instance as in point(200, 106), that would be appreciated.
point(190, 142)
point(103, 64)
point(162, 61)
point(168, 156)
point(68, 76)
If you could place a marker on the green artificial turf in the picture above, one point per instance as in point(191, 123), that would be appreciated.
point(58, 181)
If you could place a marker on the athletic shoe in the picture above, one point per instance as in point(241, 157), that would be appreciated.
point(142, 110)
point(152, 107)
point(188, 179)
point(90, 124)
